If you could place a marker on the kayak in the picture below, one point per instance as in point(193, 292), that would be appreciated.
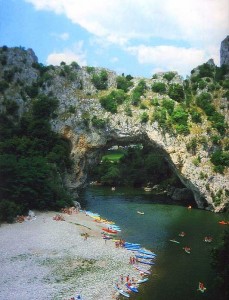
point(142, 269)
point(147, 252)
point(131, 244)
point(110, 230)
point(122, 292)
point(132, 288)
point(145, 256)
point(174, 241)
point(223, 222)
point(146, 262)
point(142, 280)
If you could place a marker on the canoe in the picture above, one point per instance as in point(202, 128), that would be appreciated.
point(132, 288)
point(142, 280)
point(122, 292)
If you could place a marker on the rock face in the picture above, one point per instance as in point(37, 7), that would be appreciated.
point(79, 105)
point(224, 52)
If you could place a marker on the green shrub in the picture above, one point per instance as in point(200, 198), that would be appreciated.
point(100, 80)
point(154, 102)
point(90, 70)
point(123, 83)
point(168, 105)
point(111, 101)
point(169, 76)
point(192, 145)
point(176, 92)
point(220, 159)
point(196, 161)
point(195, 116)
point(144, 118)
point(8, 211)
point(99, 123)
point(160, 116)
point(128, 111)
point(202, 84)
point(159, 87)
point(206, 70)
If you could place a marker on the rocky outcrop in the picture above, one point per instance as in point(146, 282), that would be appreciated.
point(79, 104)
point(224, 52)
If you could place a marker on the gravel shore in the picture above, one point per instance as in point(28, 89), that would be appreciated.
point(46, 259)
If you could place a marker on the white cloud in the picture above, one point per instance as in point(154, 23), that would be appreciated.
point(121, 20)
point(62, 36)
point(68, 55)
point(169, 58)
point(198, 24)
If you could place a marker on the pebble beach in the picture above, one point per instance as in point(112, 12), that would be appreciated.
point(44, 259)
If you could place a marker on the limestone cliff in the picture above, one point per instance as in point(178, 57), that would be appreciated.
point(80, 110)
point(224, 52)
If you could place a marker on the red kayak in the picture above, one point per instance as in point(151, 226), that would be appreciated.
point(109, 230)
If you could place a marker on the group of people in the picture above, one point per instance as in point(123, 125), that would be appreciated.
point(119, 243)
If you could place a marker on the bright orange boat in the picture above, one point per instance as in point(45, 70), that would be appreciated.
point(109, 230)
point(223, 222)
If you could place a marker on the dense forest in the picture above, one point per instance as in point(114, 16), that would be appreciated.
point(32, 157)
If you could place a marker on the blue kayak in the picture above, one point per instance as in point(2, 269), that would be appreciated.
point(147, 252)
point(132, 288)
point(122, 292)
point(145, 256)
point(146, 262)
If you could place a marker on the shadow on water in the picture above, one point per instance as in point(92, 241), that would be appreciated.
point(175, 274)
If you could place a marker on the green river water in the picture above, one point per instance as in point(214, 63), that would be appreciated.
point(175, 274)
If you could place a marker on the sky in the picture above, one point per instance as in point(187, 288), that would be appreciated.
point(136, 37)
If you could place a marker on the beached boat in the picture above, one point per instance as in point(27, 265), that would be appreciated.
point(146, 262)
point(146, 256)
point(142, 280)
point(141, 269)
point(110, 230)
point(122, 292)
point(147, 252)
point(132, 288)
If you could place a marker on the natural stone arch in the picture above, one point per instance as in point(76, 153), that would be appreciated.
point(87, 145)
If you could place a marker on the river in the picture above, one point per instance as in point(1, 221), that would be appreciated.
point(176, 274)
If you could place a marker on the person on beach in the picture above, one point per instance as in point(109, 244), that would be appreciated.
point(127, 278)
point(131, 260)
point(121, 278)
point(86, 236)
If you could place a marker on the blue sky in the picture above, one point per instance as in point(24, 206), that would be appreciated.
point(137, 37)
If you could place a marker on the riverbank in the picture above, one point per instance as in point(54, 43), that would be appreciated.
point(48, 259)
